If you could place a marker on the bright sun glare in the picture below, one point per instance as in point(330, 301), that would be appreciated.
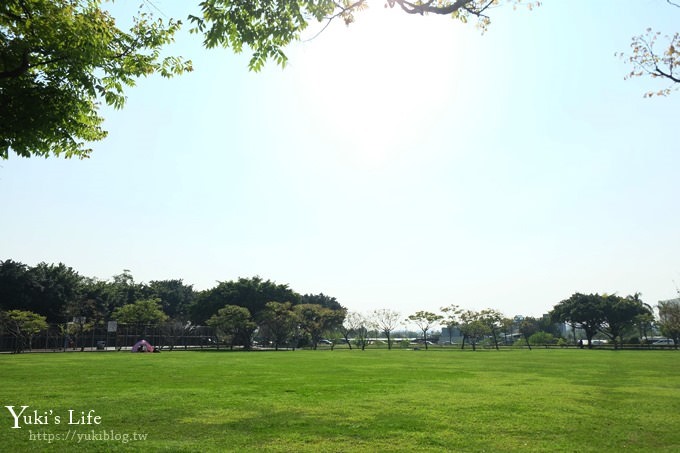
point(370, 84)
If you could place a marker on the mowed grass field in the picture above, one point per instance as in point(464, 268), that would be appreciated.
point(345, 401)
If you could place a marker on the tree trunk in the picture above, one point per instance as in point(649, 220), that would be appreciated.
point(81, 335)
point(589, 337)
point(348, 342)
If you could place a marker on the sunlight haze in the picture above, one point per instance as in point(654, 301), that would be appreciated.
point(402, 162)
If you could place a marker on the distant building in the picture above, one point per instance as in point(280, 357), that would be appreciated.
point(455, 337)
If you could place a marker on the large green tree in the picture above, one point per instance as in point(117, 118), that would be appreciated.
point(252, 293)
point(22, 325)
point(620, 313)
point(17, 284)
point(473, 327)
point(234, 325)
point(581, 310)
point(175, 296)
point(529, 326)
point(451, 319)
point(357, 325)
point(57, 286)
point(315, 320)
point(425, 321)
point(111, 294)
point(142, 312)
point(278, 323)
point(59, 60)
point(606, 314)
point(492, 318)
point(386, 321)
point(60, 293)
point(83, 313)
point(45, 288)
point(321, 299)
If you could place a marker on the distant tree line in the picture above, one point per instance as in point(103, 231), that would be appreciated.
point(249, 310)
point(607, 316)
point(33, 296)
point(612, 316)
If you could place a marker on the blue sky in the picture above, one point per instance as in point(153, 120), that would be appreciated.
point(402, 162)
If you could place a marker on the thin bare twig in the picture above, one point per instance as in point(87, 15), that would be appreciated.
point(342, 11)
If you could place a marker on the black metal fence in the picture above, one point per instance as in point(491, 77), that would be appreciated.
point(72, 338)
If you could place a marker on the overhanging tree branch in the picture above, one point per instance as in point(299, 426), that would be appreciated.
point(669, 76)
point(343, 11)
point(415, 8)
point(58, 59)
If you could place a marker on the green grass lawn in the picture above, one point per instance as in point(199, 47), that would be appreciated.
point(370, 401)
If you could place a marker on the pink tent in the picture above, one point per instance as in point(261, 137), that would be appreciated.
point(142, 346)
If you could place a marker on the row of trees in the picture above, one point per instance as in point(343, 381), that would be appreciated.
point(60, 295)
point(473, 326)
point(250, 309)
point(278, 324)
point(611, 315)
